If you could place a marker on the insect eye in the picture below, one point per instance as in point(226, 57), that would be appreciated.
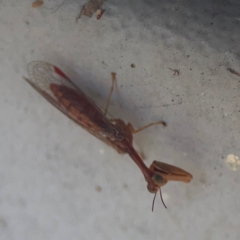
point(158, 179)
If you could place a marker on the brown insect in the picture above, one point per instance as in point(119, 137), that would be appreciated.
point(57, 88)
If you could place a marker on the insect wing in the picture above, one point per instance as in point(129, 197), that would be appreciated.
point(42, 75)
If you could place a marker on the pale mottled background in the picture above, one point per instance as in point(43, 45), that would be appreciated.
point(58, 182)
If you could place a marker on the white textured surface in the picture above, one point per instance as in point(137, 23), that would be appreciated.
point(58, 182)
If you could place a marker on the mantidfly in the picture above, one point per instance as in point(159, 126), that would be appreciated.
point(57, 88)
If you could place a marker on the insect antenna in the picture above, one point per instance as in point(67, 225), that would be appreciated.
point(162, 198)
point(160, 192)
point(153, 201)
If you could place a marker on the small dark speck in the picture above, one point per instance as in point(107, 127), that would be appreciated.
point(212, 106)
point(133, 65)
point(188, 56)
point(121, 85)
point(98, 188)
point(131, 85)
point(125, 186)
point(190, 69)
point(27, 22)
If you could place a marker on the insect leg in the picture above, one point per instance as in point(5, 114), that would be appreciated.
point(130, 127)
point(133, 131)
point(110, 94)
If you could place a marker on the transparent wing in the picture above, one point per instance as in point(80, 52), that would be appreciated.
point(42, 75)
